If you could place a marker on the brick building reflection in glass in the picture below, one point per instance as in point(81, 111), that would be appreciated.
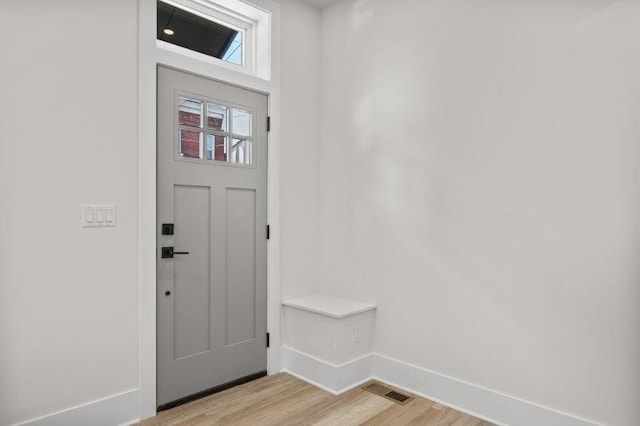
point(191, 141)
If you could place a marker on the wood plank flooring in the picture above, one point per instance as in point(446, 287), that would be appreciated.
point(284, 400)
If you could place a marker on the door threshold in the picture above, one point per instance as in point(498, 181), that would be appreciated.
point(211, 391)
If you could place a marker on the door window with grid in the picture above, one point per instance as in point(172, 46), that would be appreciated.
point(209, 131)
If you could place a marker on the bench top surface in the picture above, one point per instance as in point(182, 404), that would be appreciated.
point(335, 307)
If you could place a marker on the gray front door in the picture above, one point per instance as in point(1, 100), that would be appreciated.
point(212, 268)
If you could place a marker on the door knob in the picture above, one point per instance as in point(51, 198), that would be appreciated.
point(167, 293)
point(167, 252)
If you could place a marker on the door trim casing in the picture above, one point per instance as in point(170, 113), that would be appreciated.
point(149, 57)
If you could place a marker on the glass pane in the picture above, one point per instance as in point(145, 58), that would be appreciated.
point(190, 112)
point(241, 122)
point(193, 32)
point(234, 51)
point(217, 117)
point(190, 145)
point(242, 151)
point(216, 147)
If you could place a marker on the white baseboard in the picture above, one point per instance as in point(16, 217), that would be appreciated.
point(330, 377)
point(499, 408)
point(472, 399)
point(120, 409)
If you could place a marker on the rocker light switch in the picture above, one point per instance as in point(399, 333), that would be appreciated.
point(98, 215)
point(108, 214)
point(87, 214)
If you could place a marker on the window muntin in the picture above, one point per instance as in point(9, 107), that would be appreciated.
point(224, 137)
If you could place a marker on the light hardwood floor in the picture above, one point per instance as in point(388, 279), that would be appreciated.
point(284, 400)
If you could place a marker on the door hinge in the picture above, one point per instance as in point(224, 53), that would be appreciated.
point(268, 340)
point(268, 124)
point(268, 231)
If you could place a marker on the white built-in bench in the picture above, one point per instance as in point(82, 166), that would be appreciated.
point(332, 329)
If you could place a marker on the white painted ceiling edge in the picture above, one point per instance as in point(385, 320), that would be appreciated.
point(320, 3)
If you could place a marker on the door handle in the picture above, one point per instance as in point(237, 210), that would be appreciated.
point(167, 252)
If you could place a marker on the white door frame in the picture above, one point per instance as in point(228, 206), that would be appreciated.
point(149, 57)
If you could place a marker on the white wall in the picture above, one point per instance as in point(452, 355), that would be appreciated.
point(299, 149)
point(68, 296)
point(480, 181)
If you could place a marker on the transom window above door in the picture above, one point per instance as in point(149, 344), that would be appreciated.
point(212, 132)
point(192, 31)
point(232, 34)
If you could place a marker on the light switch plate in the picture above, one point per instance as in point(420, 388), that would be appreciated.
point(98, 215)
